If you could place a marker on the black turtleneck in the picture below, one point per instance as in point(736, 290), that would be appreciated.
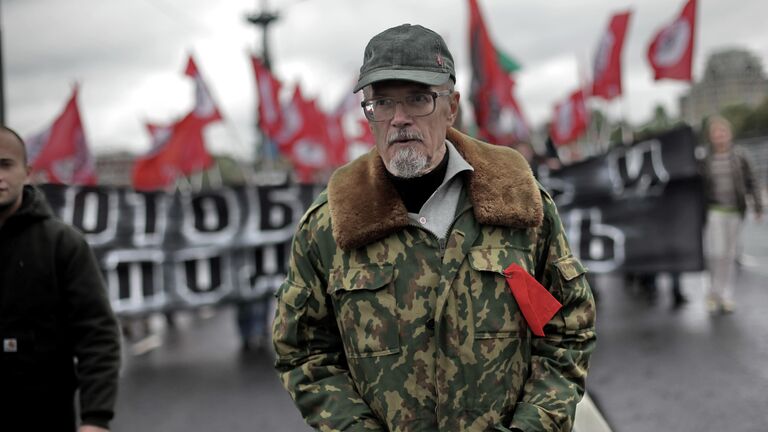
point(416, 191)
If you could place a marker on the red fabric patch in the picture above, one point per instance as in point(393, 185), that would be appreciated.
point(536, 303)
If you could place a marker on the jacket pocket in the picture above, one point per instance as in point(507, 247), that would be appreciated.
point(501, 336)
point(572, 286)
point(290, 317)
point(570, 268)
point(366, 310)
point(495, 310)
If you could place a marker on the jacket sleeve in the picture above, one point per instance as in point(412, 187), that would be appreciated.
point(560, 359)
point(752, 185)
point(93, 330)
point(310, 356)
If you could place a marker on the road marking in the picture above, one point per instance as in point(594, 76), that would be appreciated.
point(146, 345)
point(748, 260)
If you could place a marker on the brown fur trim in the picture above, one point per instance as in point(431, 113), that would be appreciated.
point(366, 207)
point(502, 188)
point(364, 204)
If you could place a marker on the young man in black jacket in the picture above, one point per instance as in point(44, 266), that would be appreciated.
point(57, 329)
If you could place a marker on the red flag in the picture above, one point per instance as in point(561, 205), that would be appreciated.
point(366, 134)
point(357, 135)
point(312, 140)
point(606, 77)
point(178, 149)
point(360, 142)
point(671, 50)
point(181, 153)
point(336, 139)
point(159, 136)
point(205, 107)
point(570, 119)
point(292, 122)
point(268, 89)
point(314, 149)
point(350, 104)
point(60, 153)
point(497, 113)
point(535, 302)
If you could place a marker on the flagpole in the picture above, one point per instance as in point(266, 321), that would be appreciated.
point(627, 135)
point(247, 171)
point(592, 133)
point(263, 20)
point(215, 181)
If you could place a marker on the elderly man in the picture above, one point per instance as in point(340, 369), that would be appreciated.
point(431, 287)
point(57, 328)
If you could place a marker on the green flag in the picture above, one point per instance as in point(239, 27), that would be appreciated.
point(507, 63)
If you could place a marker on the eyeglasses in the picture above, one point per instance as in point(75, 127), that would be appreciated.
point(415, 105)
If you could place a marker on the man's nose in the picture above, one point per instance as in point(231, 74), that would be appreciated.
point(401, 117)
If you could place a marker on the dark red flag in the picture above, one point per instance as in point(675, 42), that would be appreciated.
point(60, 153)
point(606, 76)
point(570, 119)
point(497, 114)
point(268, 90)
point(671, 50)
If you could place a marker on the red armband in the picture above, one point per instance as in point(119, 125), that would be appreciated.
point(535, 302)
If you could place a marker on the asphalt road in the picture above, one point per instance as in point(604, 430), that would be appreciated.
point(656, 368)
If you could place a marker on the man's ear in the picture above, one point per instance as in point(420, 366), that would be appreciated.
point(454, 105)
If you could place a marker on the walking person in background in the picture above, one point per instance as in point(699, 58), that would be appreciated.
point(57, 328)
point(252, 323)
point(730, 183)
point(431, 287)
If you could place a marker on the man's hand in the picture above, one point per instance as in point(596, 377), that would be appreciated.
point(91, 428)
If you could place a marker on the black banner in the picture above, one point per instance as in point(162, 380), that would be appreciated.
point(163, 251)
point(638, 208)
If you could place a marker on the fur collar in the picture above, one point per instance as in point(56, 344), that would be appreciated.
point(366, 207)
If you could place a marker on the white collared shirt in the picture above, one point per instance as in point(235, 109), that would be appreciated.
point(436, 215)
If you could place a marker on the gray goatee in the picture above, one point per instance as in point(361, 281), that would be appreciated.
point(407, 162)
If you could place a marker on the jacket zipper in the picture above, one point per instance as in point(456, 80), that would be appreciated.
point(441, 244)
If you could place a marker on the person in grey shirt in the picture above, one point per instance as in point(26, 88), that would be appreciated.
point(730, 184)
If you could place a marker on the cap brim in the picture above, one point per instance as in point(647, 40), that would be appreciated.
point(423, 77)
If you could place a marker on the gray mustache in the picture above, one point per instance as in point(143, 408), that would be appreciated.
point(404, 135)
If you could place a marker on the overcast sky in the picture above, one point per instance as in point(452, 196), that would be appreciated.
point(129, 55)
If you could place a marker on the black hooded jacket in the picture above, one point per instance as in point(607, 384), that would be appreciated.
point(57, 328)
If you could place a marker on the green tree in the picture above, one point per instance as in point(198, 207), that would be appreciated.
point(737, 115)
point(755, 123)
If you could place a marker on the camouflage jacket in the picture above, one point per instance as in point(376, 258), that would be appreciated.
point(380, 326)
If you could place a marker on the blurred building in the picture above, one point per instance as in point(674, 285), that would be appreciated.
point(757, 149)
point(731, 77)
point(114, 169)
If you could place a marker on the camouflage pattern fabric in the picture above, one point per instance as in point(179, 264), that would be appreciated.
point(407, 333)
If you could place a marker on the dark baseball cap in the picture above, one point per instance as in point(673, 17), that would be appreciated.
point(406, 52)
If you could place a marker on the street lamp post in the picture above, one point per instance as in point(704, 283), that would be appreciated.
point(263, 20)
